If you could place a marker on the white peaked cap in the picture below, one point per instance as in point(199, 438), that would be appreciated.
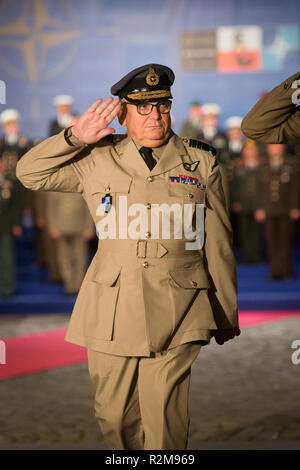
point(233, 121)
point(63, 100)
point(9, 115)
point(211, 108)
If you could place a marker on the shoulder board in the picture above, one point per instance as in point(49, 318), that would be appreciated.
point(202, 146)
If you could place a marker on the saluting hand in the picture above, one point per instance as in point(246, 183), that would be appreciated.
point(92, 124)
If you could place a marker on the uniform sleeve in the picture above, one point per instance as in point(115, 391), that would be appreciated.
point(51, 165)
point(275, 118)
point(221, 265)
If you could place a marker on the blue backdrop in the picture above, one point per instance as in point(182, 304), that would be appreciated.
point(50, 47)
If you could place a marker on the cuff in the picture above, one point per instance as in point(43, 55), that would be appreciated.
point(72, 140)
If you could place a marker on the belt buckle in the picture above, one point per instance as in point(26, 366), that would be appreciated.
point(138, 247)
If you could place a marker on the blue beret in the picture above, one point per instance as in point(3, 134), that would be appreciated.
point(149, 82)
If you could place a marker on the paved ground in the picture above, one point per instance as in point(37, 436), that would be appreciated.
point(243, 395)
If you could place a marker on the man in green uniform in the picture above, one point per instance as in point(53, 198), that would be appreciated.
point(152, 296)
point(278, 206)
point(192, 126)
point(243, 203)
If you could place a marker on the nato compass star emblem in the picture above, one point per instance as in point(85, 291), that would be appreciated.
point(37, 35)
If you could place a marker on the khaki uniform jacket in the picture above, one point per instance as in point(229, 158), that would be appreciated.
point(275, 119)
point(149, 294)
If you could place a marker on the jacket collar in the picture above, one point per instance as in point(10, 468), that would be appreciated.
point(174, 154)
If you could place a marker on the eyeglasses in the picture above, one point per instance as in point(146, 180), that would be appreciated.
point(145, 107)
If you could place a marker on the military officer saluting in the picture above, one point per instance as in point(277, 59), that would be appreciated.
point(275, 118)
point(154, 292)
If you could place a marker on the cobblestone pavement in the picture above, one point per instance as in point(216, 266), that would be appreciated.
point(244, 394)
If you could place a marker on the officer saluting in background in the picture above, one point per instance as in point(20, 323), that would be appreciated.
point(147, 304)
point(275, 118)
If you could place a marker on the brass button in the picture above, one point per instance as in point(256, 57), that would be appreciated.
point(148, 205)
point(148, 234)
point(194, 283)
point(150, 179)
point(145, 264)
point(191, 195)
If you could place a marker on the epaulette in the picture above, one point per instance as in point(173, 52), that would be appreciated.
point(198, 144)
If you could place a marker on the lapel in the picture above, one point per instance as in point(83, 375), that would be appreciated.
point(174, 154)
point(130, 156)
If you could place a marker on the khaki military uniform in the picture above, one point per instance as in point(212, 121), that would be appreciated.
point(144, 298)
point(275, 119)
point(277, 194)
point(68, 213)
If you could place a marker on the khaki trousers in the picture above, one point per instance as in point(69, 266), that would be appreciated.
point(142, 402)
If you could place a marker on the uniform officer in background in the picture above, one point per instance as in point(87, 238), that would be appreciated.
point(210, 131)
point(243, 202)
point(10, 226)
point(148, 302)
point(71, 226)
point(276, 117)
point(278, 206)
point(12, 145)
point(192, 126)
point(235, 138)
point(64, 116)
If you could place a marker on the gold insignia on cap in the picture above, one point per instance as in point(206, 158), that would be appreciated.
point(152, 77)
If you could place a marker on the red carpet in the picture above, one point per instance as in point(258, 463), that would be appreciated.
point(47, 350)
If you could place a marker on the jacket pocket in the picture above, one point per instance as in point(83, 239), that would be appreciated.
point(189, 299)
point(189, 278)
point(102, 289)
point(187, 193)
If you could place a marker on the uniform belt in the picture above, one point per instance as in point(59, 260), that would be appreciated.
point(145, 248)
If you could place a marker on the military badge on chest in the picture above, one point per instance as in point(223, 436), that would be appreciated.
point(106, 201)
point(185, 179)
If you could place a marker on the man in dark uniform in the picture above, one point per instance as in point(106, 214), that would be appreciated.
point(278, 206)
point(210, 131)
point(10, 226)
point(12, 144)
point(243, 203)
point(64, 115)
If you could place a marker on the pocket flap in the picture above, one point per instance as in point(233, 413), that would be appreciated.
point(107, 276)
point(122, 185)
point(190, 278)
point(189, 192)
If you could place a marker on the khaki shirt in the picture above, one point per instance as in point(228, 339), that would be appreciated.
point(150, 293)
point(275, 119)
